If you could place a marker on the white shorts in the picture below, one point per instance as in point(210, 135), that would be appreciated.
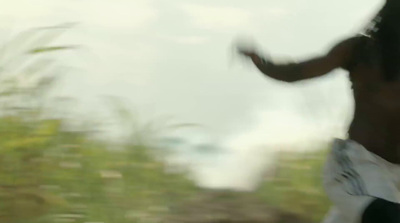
point(353, 177)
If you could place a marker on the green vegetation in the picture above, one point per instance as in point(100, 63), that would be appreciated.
point(297, 185)
point(51, 172)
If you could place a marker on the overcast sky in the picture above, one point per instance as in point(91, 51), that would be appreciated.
point(175, 58)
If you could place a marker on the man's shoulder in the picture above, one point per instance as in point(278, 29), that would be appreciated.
point(349, 44)
point(346, 51)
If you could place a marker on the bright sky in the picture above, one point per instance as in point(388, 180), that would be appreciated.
point(174, 58)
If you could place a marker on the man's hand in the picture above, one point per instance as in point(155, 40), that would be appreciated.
point(246, 46)
point(250, 53)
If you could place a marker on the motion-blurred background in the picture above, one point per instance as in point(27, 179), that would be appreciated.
point(138, 110)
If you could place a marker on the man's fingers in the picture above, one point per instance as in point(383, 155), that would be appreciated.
point(247, 53)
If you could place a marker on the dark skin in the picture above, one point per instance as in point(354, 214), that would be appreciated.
point(376, 122)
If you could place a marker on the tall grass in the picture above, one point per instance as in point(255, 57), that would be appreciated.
point(50, 172)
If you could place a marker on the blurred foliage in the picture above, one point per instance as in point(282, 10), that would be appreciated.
point(293, 194)
point(229, 206)
point(297, 185)
point(52, 173)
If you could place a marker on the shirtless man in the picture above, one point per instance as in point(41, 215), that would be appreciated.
point(362, 173)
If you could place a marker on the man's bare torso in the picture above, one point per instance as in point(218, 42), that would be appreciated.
point(376, 123)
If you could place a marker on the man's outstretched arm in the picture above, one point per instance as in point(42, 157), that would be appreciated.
point(337, 57)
